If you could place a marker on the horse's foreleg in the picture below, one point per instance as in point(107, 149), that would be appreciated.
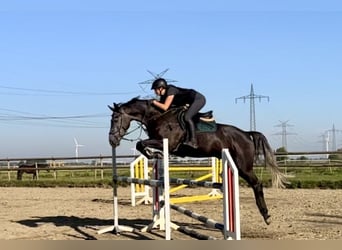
point(151, 148)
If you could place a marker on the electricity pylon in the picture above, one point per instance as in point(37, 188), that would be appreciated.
point(333, 137)
point(251, 98)
point(284, 133)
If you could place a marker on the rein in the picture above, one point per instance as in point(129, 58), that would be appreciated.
point(176, 109)
point(130, 132)
point(147, 121)
point(140, 125)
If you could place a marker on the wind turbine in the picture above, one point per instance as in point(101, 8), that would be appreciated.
point(76, 148)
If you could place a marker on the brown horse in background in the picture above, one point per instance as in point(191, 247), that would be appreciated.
point(30, 168)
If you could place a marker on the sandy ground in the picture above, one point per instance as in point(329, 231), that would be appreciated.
point(79, 214)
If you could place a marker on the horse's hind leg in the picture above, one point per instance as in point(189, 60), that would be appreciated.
point(260, 201)
point(257, 187)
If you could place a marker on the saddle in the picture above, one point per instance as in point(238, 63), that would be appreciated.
point(204, 122)
point(206, 116)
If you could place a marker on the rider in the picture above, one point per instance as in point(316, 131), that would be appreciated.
point(172, 96)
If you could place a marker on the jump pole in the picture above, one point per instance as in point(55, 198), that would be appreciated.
point(116, 228)
point(157, 213)
point(231, 206)
point(139, 169)
point(136, 171)
point(167, 215)
point(231, 198)
point(161, 211)
point(216, 166)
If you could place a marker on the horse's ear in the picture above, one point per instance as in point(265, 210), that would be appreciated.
point(111, 108)
point(115, 107)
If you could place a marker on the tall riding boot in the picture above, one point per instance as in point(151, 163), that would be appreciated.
point(191, 141)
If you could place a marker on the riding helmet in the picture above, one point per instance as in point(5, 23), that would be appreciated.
point(160, 82)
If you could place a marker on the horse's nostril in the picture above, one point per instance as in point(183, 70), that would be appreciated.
point(111, 138)
point(113, 141)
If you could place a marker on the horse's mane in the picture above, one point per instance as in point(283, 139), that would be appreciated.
point(137, 100)
point(134, 100)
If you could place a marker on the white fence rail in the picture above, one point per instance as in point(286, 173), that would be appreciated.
point(100, 163)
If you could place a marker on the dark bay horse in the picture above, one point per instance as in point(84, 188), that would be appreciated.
point(30, 168)
point(244, 146)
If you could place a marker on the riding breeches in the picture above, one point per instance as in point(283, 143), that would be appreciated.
point(195, 107)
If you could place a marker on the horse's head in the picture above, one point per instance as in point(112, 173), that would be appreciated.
point(119, 124)
point(136, 109)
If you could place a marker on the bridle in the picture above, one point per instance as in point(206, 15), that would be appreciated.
point(121, 131)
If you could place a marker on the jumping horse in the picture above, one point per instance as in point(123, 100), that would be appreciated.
point(245, 147)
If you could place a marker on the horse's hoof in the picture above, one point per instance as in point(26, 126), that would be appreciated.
point(267, 219)
point(148, 153)
point(148, 156)
point(157, 155)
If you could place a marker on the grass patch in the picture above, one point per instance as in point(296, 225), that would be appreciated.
point(301, 177)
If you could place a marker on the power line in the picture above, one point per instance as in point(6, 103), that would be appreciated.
point(155, 76)
point(59, 92)
point(17, 118)
point(25, 118)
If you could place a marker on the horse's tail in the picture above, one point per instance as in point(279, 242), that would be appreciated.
point(261, 145)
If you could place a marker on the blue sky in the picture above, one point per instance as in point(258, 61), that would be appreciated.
point(63, 62)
